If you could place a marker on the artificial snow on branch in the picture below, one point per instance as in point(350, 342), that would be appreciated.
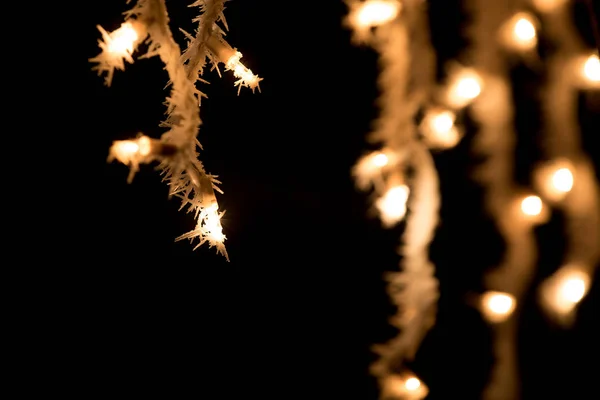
point(495, 140)
point(398, 32)
point(567, 179)
point(501, 32)
point(176, 152)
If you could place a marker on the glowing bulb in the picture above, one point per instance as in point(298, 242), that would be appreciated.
point(212, 224)
point(376, 12)
point(591, 68)
point(524, 32)
point(564, 290)
point(465, 87)
point(368, 169)
point(562, 180)
point(380, 160)
point(392, 206)
point(572, 289)
point(497, 306)
point(404, 386)
point(468, 88)
point(443, 122)
point(122, 41)
point(412, 384)
point(240, 71)
point(439, 130)
point(531, 205)
point(131, 151)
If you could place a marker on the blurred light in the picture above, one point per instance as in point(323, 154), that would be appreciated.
point(380, 160)
point(562, 180)
point(555, 179)
point(122, 41)
point(439, 130)
point(591, 68)
point(564, 290)
point(531, 205)
point(392, 205)
point(464, 88)
point(497, 306)
point(519, 32)
point(376, 12)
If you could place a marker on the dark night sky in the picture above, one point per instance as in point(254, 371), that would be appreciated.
point(293, 315)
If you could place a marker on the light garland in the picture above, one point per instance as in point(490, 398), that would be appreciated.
point(147, 22)
point(482, 89)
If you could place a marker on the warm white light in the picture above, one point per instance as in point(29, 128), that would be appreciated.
point(380, 160)
point(240, 71)
point(439, 130)
point(572, 289)
point(464, 87)
point(392, 206)
point(519, 32)
point(368, 169)
point(468, 88)
point(562, 180)
point(131, 151)
point(497, 306)
point(376, 12)
point(212, 224)
point(591, 69)
point(443, 121)
point(122, 41)
point(405, 386)
point(412, 384)
point(564, 290)
point(531, 205)
point(555, 179)
point(524, 32)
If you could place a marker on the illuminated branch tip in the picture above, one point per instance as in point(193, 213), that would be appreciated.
point(118, 47)
point(365, 15)
point(231, 58)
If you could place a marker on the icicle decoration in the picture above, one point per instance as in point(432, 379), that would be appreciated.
point(176, 151)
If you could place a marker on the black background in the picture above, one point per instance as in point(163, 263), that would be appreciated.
point(296, 311)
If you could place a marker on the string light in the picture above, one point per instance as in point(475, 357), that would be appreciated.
point(519, 32)
point(439, 130)
point(392, 205)
point(564, 290)
point(465, 86)
point(371, 13)
point(365, 15)
point(369, 168)
point(130, 151)
point(555, 179)
point(497, 306)
point(406, 387)
point(117, 47)
point(240, 71)
point(122, 41)
point(231, 58)
point(591, 68)
point(532, 205)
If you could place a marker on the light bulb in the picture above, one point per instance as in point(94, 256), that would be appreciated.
point(531, 205)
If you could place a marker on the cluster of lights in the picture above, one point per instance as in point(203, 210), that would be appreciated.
point(184, 172)
point(554, 180)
